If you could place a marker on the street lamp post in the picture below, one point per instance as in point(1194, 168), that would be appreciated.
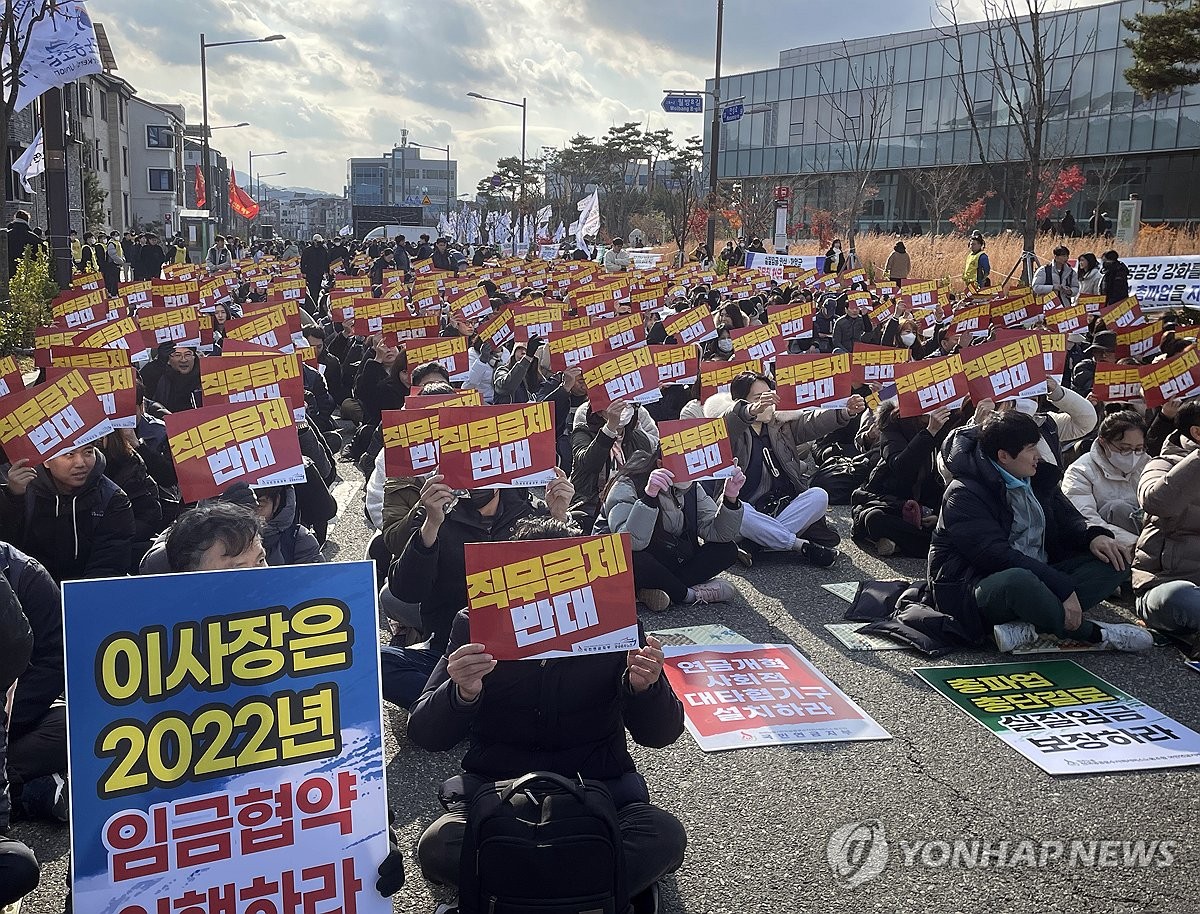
point(258, 192)
point(205, 148)
point(445, 149)
point(250, 171)
point(716, 136)
point(523, 104)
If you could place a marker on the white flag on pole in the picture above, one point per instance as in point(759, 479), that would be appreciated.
point(32, 162)
point(559, 233)
point(589, 219)
point(62, 48)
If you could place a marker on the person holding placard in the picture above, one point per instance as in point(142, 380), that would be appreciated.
point(665, 522)
point(601, 444)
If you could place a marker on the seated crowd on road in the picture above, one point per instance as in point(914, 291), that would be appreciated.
point(1028, 512)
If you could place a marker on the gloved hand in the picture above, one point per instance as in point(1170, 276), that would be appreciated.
point(391, 871)
point(733, 485)
point(486, 351)
point(535, 343)
point(660, 480)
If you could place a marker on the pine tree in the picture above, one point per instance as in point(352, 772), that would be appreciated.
point(1166, 51)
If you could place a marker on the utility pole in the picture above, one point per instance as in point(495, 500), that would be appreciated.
point(57, 196)
point(716, 136)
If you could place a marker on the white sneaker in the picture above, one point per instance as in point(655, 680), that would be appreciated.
point(714, 591)
point(1124, 637)
point(1011, 635)
point(655, 601)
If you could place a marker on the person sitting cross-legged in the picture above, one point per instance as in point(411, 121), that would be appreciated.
point(1011, 553)
point(566, 716)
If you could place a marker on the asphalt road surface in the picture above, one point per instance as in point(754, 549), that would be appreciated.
point(759, 821)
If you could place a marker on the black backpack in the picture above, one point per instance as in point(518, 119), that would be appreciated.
point(541, 844)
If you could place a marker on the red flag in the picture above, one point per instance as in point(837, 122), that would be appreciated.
point(201, 196)
point(240, 201)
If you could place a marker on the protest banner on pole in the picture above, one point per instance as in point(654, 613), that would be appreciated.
point(43, 421)
point(247, 378)
point(922, 387)
point(225, 737)
point(1116, 383)
point(676, 364)
point(1173, 379)
point(813, 379)
point(736, 696)
point(696, 325)
point(215, 446)
point(1063, 718)
point(694, 449)
point(410, 441)
point(715, 376)
point(489, 447)
point(629, 374)
point(539, 599)
point(875, 364)
point(1005, 370)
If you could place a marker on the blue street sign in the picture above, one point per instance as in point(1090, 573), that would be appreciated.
point(733, 113)
point(683, 104)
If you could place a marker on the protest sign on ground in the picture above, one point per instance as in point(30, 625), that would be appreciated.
point(1063, 718)
point(226, 748)
point(738, 696)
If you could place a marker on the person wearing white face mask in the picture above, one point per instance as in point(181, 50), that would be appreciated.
point(1102, 484)
point(601, 442)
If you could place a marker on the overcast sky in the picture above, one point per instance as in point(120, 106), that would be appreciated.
point(353, 72)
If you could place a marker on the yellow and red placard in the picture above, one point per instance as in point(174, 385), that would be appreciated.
point(540, 599)
point(1007, 370)
point(10, 376)
point(813, 379)
point(647, 297)
point(758, 341)
point(410, 441)
point(1173, 379)
point(692, 326)
point(247, 378)
point(973, 319)
point(40, 422)
point(1116, 383)
point(498, 329)
point(409, 327)
point(676, 364)
point(119, 333)
point(1070, 319)
point(448, 351)
point(1124, 315)
point(468, 396)
point(875, 364)
point(715, 376)
point(694, 449)
point(137, 294)
point(80, 307)
point(472, 305)
point(488, 447)
point(1012, 312)
point(114, 387)
point(793, 320)
point(1092, 303)
point(930, 384)
point(170, 293)
point(569, 349)
point(1139, 342)
point(77, 357)
point(629, 374)
point(596, 302)
point(623, 332)
point(530, 322)
point(217, 445)
point(267, 327)
point(179, 325)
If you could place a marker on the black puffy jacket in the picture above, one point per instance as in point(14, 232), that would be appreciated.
point(567, 716)
point(973, 536)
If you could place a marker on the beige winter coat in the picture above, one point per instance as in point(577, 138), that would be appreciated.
point(1169, 492)
point(1092, 484)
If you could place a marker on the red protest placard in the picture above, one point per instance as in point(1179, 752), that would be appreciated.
point(498, 329)
point(542, 322)
point(740, 695)
point(975, 319)
point(466, 397)
point(409, 327)
point(47, 338)
point(1067, 320)
point(758, 341)
point(1124, 315)
point(1007, 369)
point(676, 364)
point(79, 307)
point(813, 380)
point(120, 333)
point(174, 293)
point(597, 303)
point(1013, 311)
point(629, 374)
point(40, 422)
point(410, 441)
point(692, 326)
point(623, 332)
point(448, 351)
point(245, 378)
point(569, 349)
point(237, 347)
point(10, 376)
point(793, 320)
point(215, 446)
point(472, 305)
point(1173, 379)
point(1117, 383)
point(695, 449)
point(115, 389)
point(875, 364)
point(78, 357)
point(180, 326)
point(715, 376)
point(924, 386)
point(267, 327)
point(1139, 342)
point(489, 447)
point(537, 599)
point(647, 297)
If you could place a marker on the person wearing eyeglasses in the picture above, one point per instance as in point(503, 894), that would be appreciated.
point(1102, 483)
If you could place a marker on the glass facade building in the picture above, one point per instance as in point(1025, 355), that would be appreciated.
point(1123, 143)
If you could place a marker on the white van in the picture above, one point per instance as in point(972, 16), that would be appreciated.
point(410, 232)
